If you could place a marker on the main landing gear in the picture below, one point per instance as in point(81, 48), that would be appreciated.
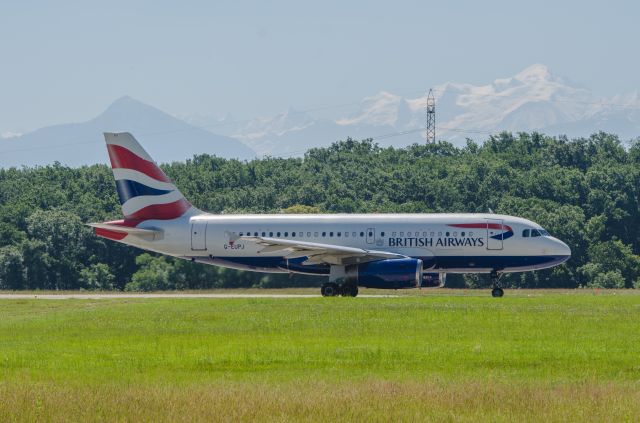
point(497, 291)
point(332, 289)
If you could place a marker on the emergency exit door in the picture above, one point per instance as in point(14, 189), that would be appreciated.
point(371, 235)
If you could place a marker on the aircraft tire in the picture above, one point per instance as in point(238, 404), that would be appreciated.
point(329, 289)
point(349, 290)
point(497, 292)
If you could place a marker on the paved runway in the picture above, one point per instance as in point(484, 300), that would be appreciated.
point(170, 295)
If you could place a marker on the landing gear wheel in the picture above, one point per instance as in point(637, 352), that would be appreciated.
point(329, 289)
point(349, 290)
point(497, 291)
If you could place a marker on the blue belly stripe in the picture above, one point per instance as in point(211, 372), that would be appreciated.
point(437, 263)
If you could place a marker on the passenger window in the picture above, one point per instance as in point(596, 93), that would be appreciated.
point(401, 233)
point(315, 234)
point(393, 234)
point(433, 233)
point(293, 234)
point(286, 234)
point(461, 233)
point(278, 234)
point(470, 233)
point(455, 234)
point(331, 234)
point(271, 234)
point(346, 234)
point(439, 233)
point(370, 233)
point(353, 234)
point(240, 233)
point(447, 233)
point(309, 234)
point(361, 234)
point(324, 234)
point(339, 233)
point(424, 234)
point(525, 233)
point(381, 233)
point(264, 234)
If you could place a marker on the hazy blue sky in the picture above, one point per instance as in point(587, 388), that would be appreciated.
point(64, 61)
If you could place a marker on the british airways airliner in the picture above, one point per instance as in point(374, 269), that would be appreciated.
point(388, 251)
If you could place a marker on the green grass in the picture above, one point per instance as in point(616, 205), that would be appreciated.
point(566, 355)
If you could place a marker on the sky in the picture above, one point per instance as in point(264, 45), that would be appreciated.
point(66, 61)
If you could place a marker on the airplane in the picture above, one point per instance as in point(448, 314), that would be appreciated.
point(388, 251)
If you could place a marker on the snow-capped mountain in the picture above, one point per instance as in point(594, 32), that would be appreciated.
point(533, 99)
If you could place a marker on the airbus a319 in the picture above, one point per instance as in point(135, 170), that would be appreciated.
point(388, 251)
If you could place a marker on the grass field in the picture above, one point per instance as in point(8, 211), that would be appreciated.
point(438, 355)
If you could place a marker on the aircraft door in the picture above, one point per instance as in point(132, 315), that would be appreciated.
point(199, 235)
point(495, 234)
point(371, 235)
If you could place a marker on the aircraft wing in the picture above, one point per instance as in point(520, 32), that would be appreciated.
point(320, 253)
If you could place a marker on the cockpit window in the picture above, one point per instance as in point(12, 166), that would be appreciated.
point(526, 233)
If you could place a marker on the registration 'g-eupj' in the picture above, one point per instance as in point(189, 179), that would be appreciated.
point(370, 250)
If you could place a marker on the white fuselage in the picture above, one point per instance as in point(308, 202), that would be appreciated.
point(455, 243)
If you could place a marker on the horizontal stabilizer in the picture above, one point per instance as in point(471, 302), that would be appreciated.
point(113, 231)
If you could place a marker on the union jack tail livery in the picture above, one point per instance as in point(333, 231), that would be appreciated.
point(146, 195)
point(144, 190)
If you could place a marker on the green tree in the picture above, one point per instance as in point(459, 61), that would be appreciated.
point(301, 209)
point(154, 274)
point(96, 277)
point(12, 271)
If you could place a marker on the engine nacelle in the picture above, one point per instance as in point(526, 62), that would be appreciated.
point(386, 274)
point(433, 280)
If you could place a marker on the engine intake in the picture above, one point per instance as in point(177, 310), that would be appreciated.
point(386, 274)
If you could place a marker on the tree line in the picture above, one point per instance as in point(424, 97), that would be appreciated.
point(586, 191)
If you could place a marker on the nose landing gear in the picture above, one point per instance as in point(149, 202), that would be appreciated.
point(497, 290)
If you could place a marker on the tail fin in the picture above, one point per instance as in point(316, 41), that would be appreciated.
point(145, 191)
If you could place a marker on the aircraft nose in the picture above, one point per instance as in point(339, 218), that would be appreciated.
point(562, 249)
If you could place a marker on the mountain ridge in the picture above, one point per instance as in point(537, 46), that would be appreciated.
point(534, 99)
point(74, 144)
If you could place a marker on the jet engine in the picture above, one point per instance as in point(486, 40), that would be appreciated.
point(386, 274)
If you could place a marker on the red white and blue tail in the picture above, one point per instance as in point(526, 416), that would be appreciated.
point(145, 191)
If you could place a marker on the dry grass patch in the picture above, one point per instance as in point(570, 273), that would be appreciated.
point(369, 400)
